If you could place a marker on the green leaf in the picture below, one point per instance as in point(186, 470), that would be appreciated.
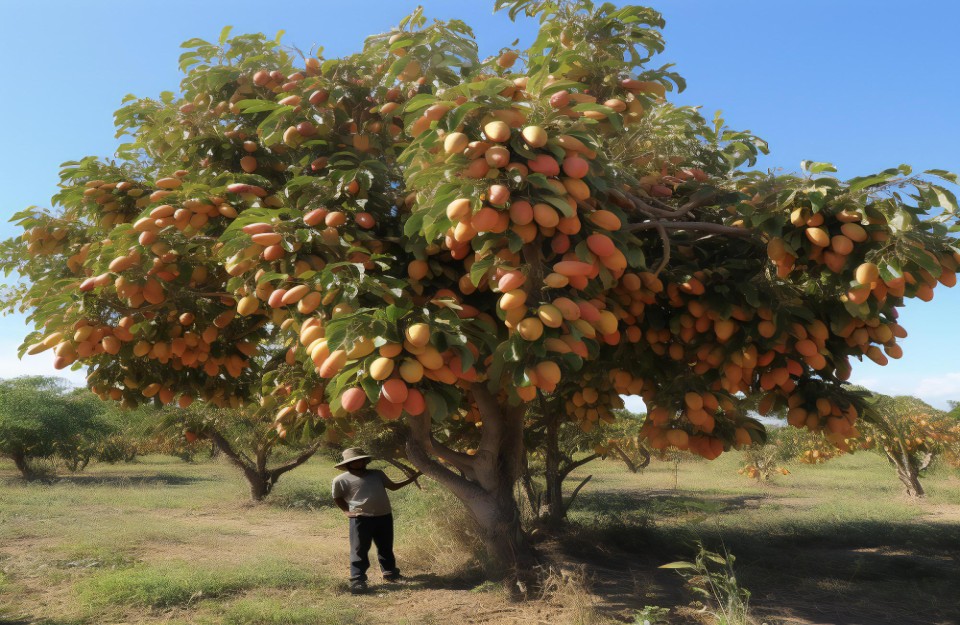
point(949, 176)
point(815, 167)
point(480, 268)
point(225, 34)
point(678, 565)
point(862, 182)
point(257, 106)
point(436, 406)
point(946, 198)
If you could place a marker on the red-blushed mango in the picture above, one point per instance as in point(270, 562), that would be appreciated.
point(333, 364)
point(388, 410)
point(511, 280)
point(415, 403)
point(365, 220)
point(601, 244)
point(573, 268)
point(575, 167)
point(315, 217)
point(485, 220)
point(395, 390)
point(568, 308)
point(605, 219)
point(295, 294)
point(521, 212)
point(544, 164)
point(353, 399)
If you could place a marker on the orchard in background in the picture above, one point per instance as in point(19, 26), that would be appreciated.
point(412, 234)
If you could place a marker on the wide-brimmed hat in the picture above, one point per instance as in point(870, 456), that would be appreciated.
point(352, 453)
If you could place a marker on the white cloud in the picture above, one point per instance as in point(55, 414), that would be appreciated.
point(946, 386)
point(41, 364)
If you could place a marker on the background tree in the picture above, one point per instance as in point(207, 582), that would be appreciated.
point(42, 418)
point(556, 447)
point(421, 234)
point(911, 434)
point(246, 437)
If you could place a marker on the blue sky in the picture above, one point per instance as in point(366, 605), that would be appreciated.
point(863, 84)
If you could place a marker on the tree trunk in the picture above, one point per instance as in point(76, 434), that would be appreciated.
point(552, 512)
point(260, 485)
point(907, 469)
point(20, 460)
point(484, 482)
point(911, 480)
point(260, 478)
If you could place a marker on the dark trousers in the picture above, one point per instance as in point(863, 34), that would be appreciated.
point(379, 531)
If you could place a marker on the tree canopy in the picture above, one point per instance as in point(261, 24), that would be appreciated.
point(414, 233)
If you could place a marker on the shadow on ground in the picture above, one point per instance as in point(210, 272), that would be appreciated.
point(155, 479)
point(867, 572)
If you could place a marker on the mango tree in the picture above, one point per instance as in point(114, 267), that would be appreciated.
point(911, 434)
point(414, 233)
point(247, 439)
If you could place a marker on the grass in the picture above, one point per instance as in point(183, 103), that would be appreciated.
point(162, 541)
point(274, 611)
point(181, 583)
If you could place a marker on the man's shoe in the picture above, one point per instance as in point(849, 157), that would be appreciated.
point(394, 578)
point(358, 587)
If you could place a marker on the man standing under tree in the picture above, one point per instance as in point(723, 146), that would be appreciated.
point(362, 496)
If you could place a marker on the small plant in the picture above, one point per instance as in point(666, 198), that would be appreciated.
point(712, 577)
point(652, 615)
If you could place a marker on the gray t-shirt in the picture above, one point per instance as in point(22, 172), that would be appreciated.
point(364, 494)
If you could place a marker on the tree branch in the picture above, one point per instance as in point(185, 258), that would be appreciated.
point(296, 462)
point(696, 226)
point(564, 472)
point(237, 458)
point(418, 451)
point(573, 495)
point(404, 469)
point(463, 462)
point(665, 238)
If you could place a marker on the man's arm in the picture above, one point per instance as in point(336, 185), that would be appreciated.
point(391, 485)
point(343, 505)
point(338, 493)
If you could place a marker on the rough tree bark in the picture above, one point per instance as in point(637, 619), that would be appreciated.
point(484, 482)
point(260, 478)
point(908, 469)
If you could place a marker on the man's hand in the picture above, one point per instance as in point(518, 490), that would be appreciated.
point(350, 514)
